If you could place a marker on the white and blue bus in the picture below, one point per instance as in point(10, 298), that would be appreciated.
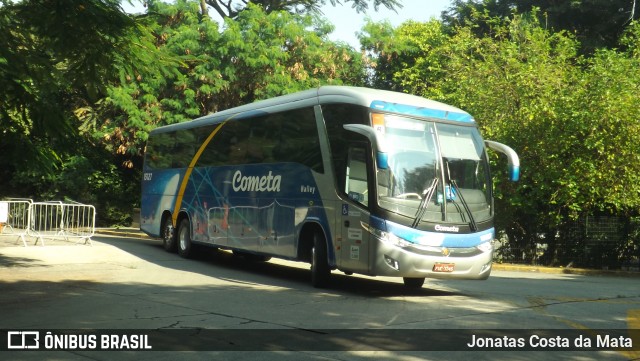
point(344, 178)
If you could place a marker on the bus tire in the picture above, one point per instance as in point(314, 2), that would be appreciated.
point(411, 282)
point(320, 271)
point(169, 242)
point(185, 247)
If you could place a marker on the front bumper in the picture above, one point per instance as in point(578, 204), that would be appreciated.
point(454, 263)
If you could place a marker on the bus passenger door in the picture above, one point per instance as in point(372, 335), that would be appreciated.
point(355, 240)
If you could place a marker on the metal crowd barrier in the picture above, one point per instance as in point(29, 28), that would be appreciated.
point(57, 220)
point(14, 218)
point(47, 220)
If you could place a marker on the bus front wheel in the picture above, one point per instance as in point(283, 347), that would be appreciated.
point(185, 247)
point(413, 282)
point(319, 266)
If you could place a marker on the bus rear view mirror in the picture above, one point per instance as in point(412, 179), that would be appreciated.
point(376, 140)
point(512, 158)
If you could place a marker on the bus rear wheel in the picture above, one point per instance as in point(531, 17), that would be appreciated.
point(320, 271)
point(185, 247)
point(410, 282)
point(168, 236)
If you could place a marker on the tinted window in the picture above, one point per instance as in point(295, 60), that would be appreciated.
point(290, 136)
point(356, 178)
point(335, 117)
point(175, 149)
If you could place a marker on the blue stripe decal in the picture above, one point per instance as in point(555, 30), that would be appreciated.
point(425, 238)
point(421, 111)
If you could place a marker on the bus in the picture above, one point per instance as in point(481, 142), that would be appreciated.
point(344, 178)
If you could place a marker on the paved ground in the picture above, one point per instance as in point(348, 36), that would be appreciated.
point(125, 283)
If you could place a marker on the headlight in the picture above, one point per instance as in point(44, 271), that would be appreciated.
point(388, 237)
point(395, 240)
point(485, 247)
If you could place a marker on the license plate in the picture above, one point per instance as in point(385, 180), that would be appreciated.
point(443, 267)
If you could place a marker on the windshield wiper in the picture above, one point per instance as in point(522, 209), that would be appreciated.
point(472, 221)
point(427, 194)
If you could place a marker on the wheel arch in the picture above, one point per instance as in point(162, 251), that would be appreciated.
point(184, 215)
point(165, 218)
point(305, 242)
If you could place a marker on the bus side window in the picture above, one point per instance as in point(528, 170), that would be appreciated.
point(356, 185)
point(335, 117)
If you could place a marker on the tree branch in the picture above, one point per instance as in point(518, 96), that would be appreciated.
point(226, 9)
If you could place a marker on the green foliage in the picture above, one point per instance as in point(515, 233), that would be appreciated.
point(91, 176)
point(596, 23)
point(404, 58)
point(100, 182)
point(56, 56)
point(609, 142)
point(56, 59)
point(256, 56)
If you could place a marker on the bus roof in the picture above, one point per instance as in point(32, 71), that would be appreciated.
point(382, 100)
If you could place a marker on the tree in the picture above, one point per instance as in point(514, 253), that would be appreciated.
point(258, 55)
point(607, 146)
point(231, 8)
point(403, 59)
point(55, 56)
point(596, 23)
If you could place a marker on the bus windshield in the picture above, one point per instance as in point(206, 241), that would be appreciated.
point(445, 163)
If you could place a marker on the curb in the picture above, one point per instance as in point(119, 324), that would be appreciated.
point(563, 270)
point(123, 232)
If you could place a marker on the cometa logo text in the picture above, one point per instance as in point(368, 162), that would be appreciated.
point(265, 183)
point(447, 228)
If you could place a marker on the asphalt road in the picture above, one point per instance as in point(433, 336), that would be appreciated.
point(127, 283)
